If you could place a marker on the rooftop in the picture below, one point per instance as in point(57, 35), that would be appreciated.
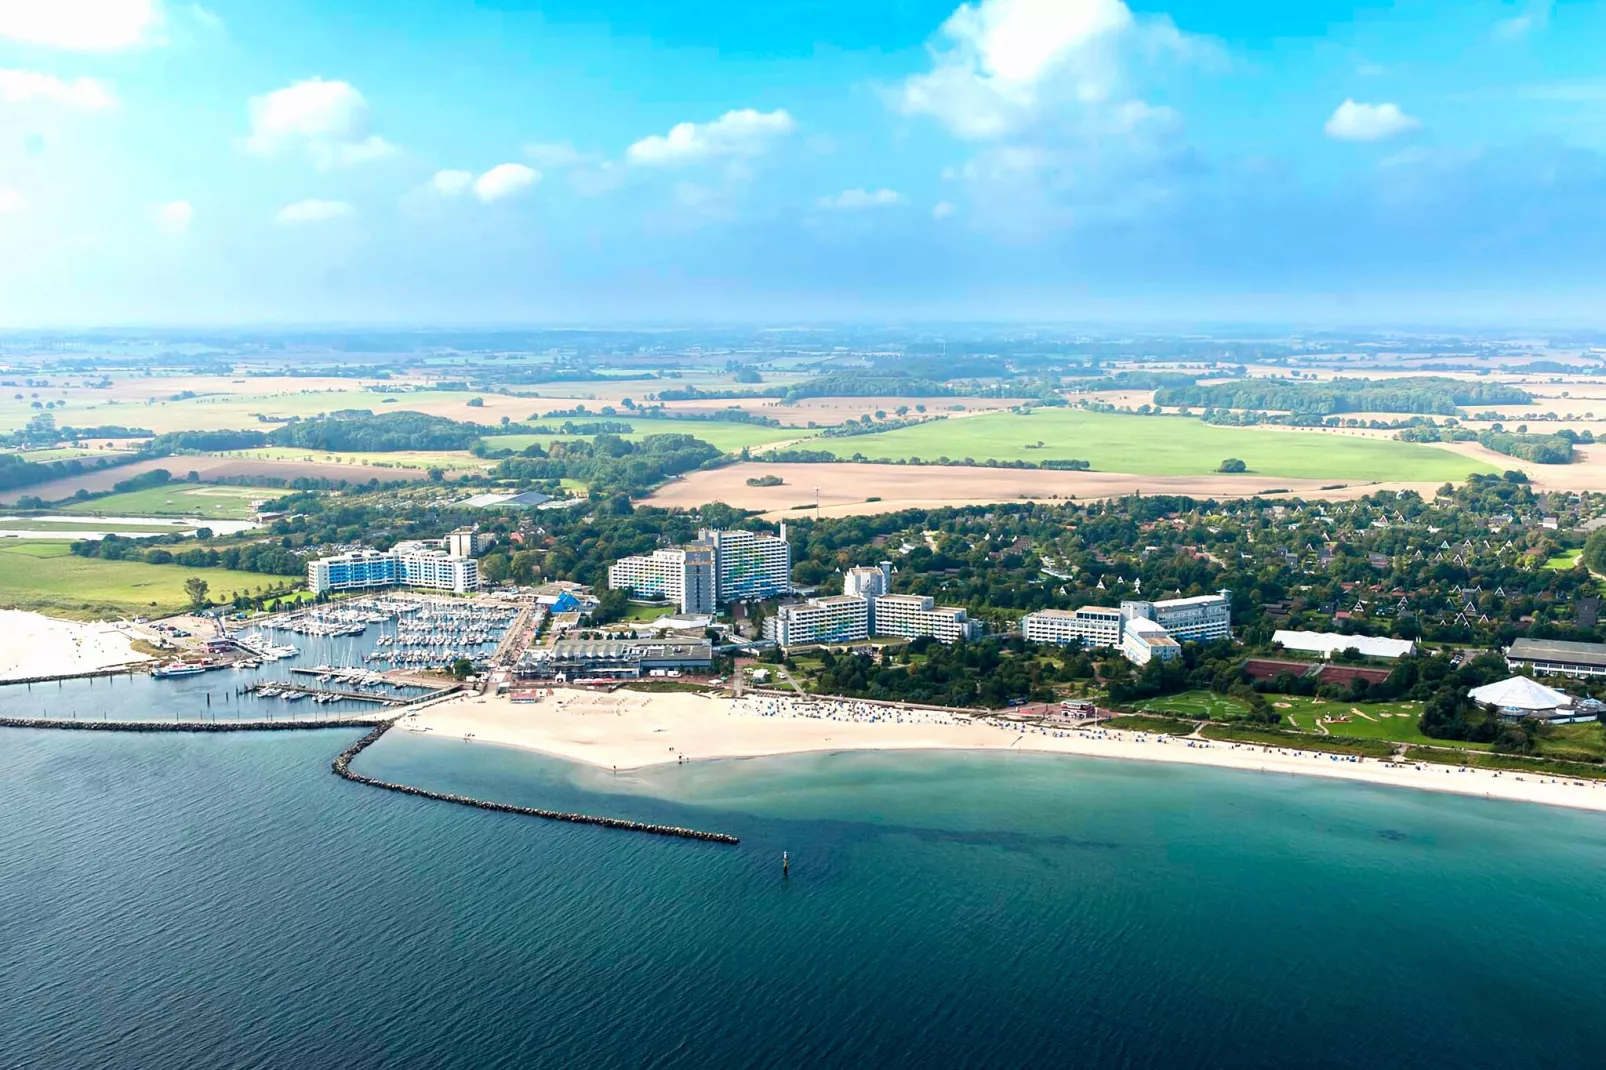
point(1557, 650)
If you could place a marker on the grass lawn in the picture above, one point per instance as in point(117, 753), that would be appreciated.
point(423, 460)
point(64, 453)
point(729, 436)
point(1564, 562)
point(1515, 763)
point(1398, 726)
point(46, 576)
point(1159, 445)
point(1163, 725)
point(210, 500)
point(1271, 737)
point(1199, 705)
point(649, 613)
point(23, 523)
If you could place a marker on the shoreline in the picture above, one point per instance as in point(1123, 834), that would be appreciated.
point(626, 731)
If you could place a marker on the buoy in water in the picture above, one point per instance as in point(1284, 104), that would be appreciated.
point(786, 863)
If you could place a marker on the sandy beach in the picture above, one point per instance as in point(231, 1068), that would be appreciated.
point(37, 645)
point(629, 730)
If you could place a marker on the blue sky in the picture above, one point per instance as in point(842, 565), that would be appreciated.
point(585, 161)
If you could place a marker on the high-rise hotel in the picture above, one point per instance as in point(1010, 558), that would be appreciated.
point(721, 567)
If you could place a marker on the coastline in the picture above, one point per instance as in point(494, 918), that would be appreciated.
point(41, 646)
point(629, 730)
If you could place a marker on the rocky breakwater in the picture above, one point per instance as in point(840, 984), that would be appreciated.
point(342, 767)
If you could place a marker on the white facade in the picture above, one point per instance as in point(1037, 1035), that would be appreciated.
point(1329, 643)
point(1094, 626)
point(369, 569)
point(466, 542)
point(912, 616)
point(682, 576)
point(1143, 640)
point(746, 565)
point(1199, 619)
point(865, 582)
point(842, 619)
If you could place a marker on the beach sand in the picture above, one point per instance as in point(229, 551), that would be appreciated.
point(628, 730)
point(37, 645)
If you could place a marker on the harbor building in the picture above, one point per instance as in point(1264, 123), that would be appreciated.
point(1552, 657)
point(362, 570)
point(839, 619)
point(684, 576)
point(618, 659)
point(1137, 627)
point(721, 567)
point(912, 616)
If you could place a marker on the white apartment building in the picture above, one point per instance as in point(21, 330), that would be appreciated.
point(839, 619)
point(866, 582)
point(359, 570)
point(912, 616)
point(747, 565)
point(1179, 620)
point(1091, 625)
point(684, 576)
point(466, 542)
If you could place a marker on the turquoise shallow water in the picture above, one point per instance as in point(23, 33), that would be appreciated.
point(226, 902)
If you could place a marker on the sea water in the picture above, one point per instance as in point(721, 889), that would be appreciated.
point(223, 901)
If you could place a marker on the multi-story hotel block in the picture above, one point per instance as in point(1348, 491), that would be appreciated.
point(913, 615)
point(361, 570)
point(719, 568)
point(1142, 630)
point(841, 619)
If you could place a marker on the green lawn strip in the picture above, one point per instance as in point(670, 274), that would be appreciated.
point(1169, 726)
point(1511, 762)
point(1158, 445)
point(46, 576)
point(1199, 705)
point(730, 436)
point(1400, 726)
point(90, 524)
point(422, 460)
point(210, 500)
point(1271, 737)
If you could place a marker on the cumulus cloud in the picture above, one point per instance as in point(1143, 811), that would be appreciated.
point(329, 119)
point(313, 211)
point(741, 133)
point(1368, 122)
point(505, 180)
point(11, 202)
point(83, 25)
point(850, 200)
point(1005, 64)
point(85, 94)
point(174, 216)
point(942, 210)
point(451, 183)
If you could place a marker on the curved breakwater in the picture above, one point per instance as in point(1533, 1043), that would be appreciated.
point(342, 767)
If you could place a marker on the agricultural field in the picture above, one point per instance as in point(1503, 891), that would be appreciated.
point(728, 435)
point(209, 500)
point(64, 453)
point(209, 467)
point(1159, 445)
point(46, 576)
point(420, 460)
point(78, 528)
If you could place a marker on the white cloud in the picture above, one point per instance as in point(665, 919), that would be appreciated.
point(83, 25)
point(329, 119)
point(736, 133)
point(857, 199)
point(1368, 122)
point(86, 94)
point(174, 216)
point(313, 211)
point(1535, 17)
point(557, 155)
point(11, 202)
point(451, 183)
point(1008, 63)
point(504, 181)
point(942, 210)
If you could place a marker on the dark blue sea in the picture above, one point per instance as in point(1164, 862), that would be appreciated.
point(224, 901)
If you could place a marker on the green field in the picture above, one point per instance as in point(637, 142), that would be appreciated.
point(727, 435)
point(1158, 445)
point(23, 523)
point(46, 576)
point(210, 500)
point(65, 453)
point(423, 460)
point(1565, 562)
point(1398, 726)
point(1158, 725)
point(1199, 705)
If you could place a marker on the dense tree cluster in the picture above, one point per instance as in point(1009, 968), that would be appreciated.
point(609, 464)
point(360, 431)
point(1422, 395)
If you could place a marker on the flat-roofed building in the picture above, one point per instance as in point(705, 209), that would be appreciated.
point(1198, 619)
point(684, 576)
point(438, 570)
point(1552, 657)
point(839, 619)
point(1092, 626)
point(1329, 643)
point(912, 616)
point(359, 570)
point(748, 565)
point(624, 659)
point(1143, 640)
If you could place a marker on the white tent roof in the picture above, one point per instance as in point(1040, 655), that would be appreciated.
point(1520, 693)
point(1329, 643)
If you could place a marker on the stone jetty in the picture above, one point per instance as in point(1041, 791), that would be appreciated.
point(286, 725)
point(342, 767)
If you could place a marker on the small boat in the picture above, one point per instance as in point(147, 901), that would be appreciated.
point(164, 672)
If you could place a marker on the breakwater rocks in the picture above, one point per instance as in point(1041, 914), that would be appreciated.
point(342, 767)
point(86, 725)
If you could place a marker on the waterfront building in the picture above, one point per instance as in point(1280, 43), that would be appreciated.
point(684, 576)
point(840, 619)
point(623, 659)
point(362, 570)
point(1552, 657)
point(913, 616)
point(1200, 619)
